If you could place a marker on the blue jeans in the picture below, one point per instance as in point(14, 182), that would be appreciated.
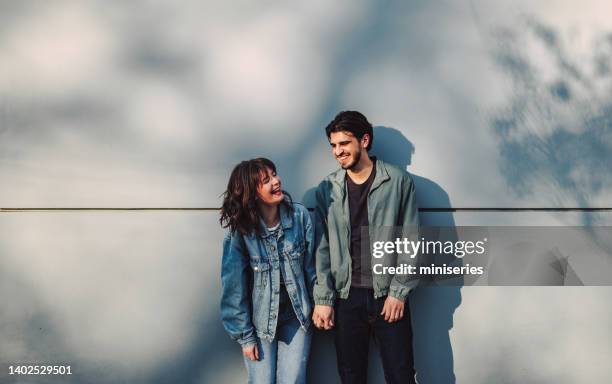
point(283, 360)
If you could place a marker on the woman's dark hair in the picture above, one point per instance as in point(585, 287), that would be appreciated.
point(351, 121)
point(239, 210)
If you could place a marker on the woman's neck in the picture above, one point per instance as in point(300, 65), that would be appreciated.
point(270, 214)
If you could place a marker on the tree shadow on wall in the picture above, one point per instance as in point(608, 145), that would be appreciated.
point(555, 130)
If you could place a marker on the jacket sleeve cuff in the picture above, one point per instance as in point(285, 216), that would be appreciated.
point(323, 295)
point(328, 302)
point(245, 342)
point(401, 291)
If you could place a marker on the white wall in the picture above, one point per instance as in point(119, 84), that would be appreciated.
point(146, 104)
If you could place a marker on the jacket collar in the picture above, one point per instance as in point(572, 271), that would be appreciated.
point(286, 221)
point(381, 175)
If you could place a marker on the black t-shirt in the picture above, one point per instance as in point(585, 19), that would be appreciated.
point(358, 207)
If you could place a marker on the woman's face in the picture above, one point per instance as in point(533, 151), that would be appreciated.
point(269, 188)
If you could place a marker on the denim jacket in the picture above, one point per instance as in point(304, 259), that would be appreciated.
point(250, 276)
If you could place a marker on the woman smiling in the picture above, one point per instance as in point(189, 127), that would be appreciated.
point(267, 273)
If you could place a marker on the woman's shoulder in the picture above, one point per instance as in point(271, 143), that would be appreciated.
point(301, 214)
point(229, 236)
point(299, 208)
point(233, 236)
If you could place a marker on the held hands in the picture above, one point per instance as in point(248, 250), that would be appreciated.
point(393, 309)
point(251, 352)
point(323, 317)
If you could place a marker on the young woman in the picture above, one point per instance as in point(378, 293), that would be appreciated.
point(267, 274)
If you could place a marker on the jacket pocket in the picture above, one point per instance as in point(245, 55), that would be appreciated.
point(260, 296)
point(295, 252)
point(295, 257)
point(261, 271)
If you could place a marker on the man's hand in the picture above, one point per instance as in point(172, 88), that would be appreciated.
point(251, 352)
point(323, 317)
point(393, 310)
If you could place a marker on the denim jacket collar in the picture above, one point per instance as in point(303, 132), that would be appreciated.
point(285, 220)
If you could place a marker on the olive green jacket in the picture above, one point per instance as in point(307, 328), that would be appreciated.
point(391, 203)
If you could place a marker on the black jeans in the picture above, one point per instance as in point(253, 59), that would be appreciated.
point(357, 317)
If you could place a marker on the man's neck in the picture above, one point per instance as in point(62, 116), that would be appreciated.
point(362, 170)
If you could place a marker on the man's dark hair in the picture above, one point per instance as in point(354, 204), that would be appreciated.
point(353, 122)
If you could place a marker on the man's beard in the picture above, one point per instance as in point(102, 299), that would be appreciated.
point(355, 161)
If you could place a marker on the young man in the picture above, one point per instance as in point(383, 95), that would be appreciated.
point(369, 193)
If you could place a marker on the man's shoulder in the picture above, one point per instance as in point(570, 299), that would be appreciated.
point(338, 173)
point(334, 176)
point(396, 173)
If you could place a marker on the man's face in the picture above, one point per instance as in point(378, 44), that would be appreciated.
point(346, 148)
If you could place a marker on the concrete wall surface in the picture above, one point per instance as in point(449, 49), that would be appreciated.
point(503, 106)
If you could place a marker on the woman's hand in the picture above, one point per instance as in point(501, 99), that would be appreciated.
point(251, 352)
